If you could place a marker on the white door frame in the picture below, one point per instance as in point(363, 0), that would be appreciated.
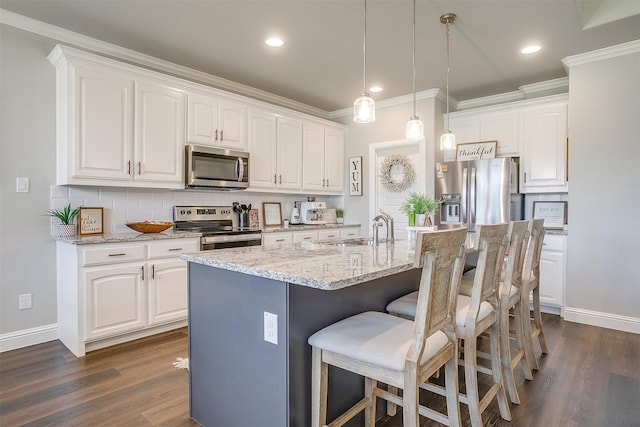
point(374, 173)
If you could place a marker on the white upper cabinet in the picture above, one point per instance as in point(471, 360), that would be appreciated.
point(159, 133)
point(275, 146)
point(544, 148)
point(116, 126)
point(323, 159)
point(500, 126)
point(215, 121)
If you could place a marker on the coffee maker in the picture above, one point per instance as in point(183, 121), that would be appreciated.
point(313, 213)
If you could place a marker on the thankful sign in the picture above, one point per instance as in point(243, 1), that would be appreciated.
point(476, 151)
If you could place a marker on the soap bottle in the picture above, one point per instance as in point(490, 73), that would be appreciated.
point(295, 214)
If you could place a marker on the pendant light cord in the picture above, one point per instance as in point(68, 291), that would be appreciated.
point(448, 127)
point(364, 51)
point(414, 58)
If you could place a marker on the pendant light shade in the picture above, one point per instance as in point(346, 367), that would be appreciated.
point(448, 139)
point(415, 127)
point(364, 108)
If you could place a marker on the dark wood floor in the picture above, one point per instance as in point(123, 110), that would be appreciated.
point(590, 378)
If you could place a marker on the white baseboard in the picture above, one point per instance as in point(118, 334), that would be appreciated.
point(27, 337)
point(604, 320)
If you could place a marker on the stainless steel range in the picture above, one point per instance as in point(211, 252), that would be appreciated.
point(218, 225)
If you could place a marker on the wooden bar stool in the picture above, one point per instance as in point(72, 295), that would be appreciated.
point(531, 288)
point(475, 315)
point(399, 352)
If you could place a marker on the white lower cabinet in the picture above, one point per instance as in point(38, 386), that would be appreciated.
point(309, 235)
point(115, 292)
point(553, 272)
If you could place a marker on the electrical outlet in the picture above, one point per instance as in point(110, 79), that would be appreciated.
point(24, 301)
point(271, 327)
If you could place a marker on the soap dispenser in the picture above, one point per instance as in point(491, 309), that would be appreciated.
point(295, 214)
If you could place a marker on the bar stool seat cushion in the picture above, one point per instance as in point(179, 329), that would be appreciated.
point(376, 338)
point(406, 306)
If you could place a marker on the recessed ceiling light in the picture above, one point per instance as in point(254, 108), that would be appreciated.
point(530, 49)
point(274, 42)
point(375, 89)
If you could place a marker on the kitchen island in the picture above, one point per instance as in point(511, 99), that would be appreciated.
point(252, 309)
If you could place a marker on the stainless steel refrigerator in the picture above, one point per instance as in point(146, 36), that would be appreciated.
point(478, 192)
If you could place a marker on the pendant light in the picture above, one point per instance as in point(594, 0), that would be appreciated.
point(415, 128)
point(448, 139)
point(364, 108)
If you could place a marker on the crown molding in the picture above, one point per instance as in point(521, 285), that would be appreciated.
point(602, 54)
point(101, 47)
point(524, 92)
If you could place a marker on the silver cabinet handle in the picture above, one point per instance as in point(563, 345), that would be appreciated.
point(222, 135)
point(275, 178)
point(139, 168)
point(120, 254)
point(175, 249)
point(323, 182)
point(142, 270)
point(216, 134)
point(307, 238)
point(129, 167)
point(280, 179)
point(279, 240)
point(153, 271)
point(327, 182)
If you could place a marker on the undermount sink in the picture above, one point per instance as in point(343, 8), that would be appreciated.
point(363, 241)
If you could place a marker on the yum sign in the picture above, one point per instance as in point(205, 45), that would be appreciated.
point(355, 176)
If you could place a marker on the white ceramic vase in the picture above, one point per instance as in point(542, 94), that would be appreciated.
point(66, 230)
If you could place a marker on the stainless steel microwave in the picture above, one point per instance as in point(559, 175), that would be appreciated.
point(216, 168)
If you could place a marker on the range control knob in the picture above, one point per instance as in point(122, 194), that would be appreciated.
point(189, 212)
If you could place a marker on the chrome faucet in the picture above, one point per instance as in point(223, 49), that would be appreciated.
point(388, 222)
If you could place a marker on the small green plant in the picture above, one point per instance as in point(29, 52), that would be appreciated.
point(66, 215)
point(420, 204)
point(339, 213)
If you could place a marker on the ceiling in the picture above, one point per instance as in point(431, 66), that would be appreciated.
point(321, 63)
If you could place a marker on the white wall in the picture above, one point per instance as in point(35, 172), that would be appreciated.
point(27, 149)
point(389, 126)
point(603, 277)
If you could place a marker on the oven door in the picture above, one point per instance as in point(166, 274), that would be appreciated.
point(222, 241)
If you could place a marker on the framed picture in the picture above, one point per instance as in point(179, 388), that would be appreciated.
point(476, 151)
point(355, 176)
point(90, 221)
point(254, 219)
point(553, 213)
point(272, 213)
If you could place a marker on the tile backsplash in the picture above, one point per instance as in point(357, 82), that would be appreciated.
point(123, 205)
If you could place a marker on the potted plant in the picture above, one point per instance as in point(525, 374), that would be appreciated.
point(420, 206)
point(66, 216)
point(340, 216)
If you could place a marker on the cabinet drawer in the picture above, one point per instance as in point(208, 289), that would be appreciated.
point(350, 232)
point(328, 234)
point(112, 254)
point(554, 243)
point(305, 236)
point(276, 238)
point(171, 248)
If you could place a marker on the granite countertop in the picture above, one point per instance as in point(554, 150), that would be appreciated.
point(305, 227)
point(320, 265)
point(126, 237)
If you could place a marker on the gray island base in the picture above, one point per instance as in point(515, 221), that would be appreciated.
point(237, 378)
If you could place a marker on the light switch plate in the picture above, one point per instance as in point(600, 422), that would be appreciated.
point(22, 185)
point(271, 327)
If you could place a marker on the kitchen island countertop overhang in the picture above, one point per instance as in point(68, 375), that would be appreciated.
point(320, 265)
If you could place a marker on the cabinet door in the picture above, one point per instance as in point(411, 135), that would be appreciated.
point(313, 157)
point(544, 134)
point(334, 160)
point(262, 146)
point(160, 136)
point(466, 129)
point(269, 239)
point(503, 128)
point(232, 124)
point(167, 291)
point(114, 300)
point(551, 278)
point(202, 119)
point(289, 152)
point(103, 130)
